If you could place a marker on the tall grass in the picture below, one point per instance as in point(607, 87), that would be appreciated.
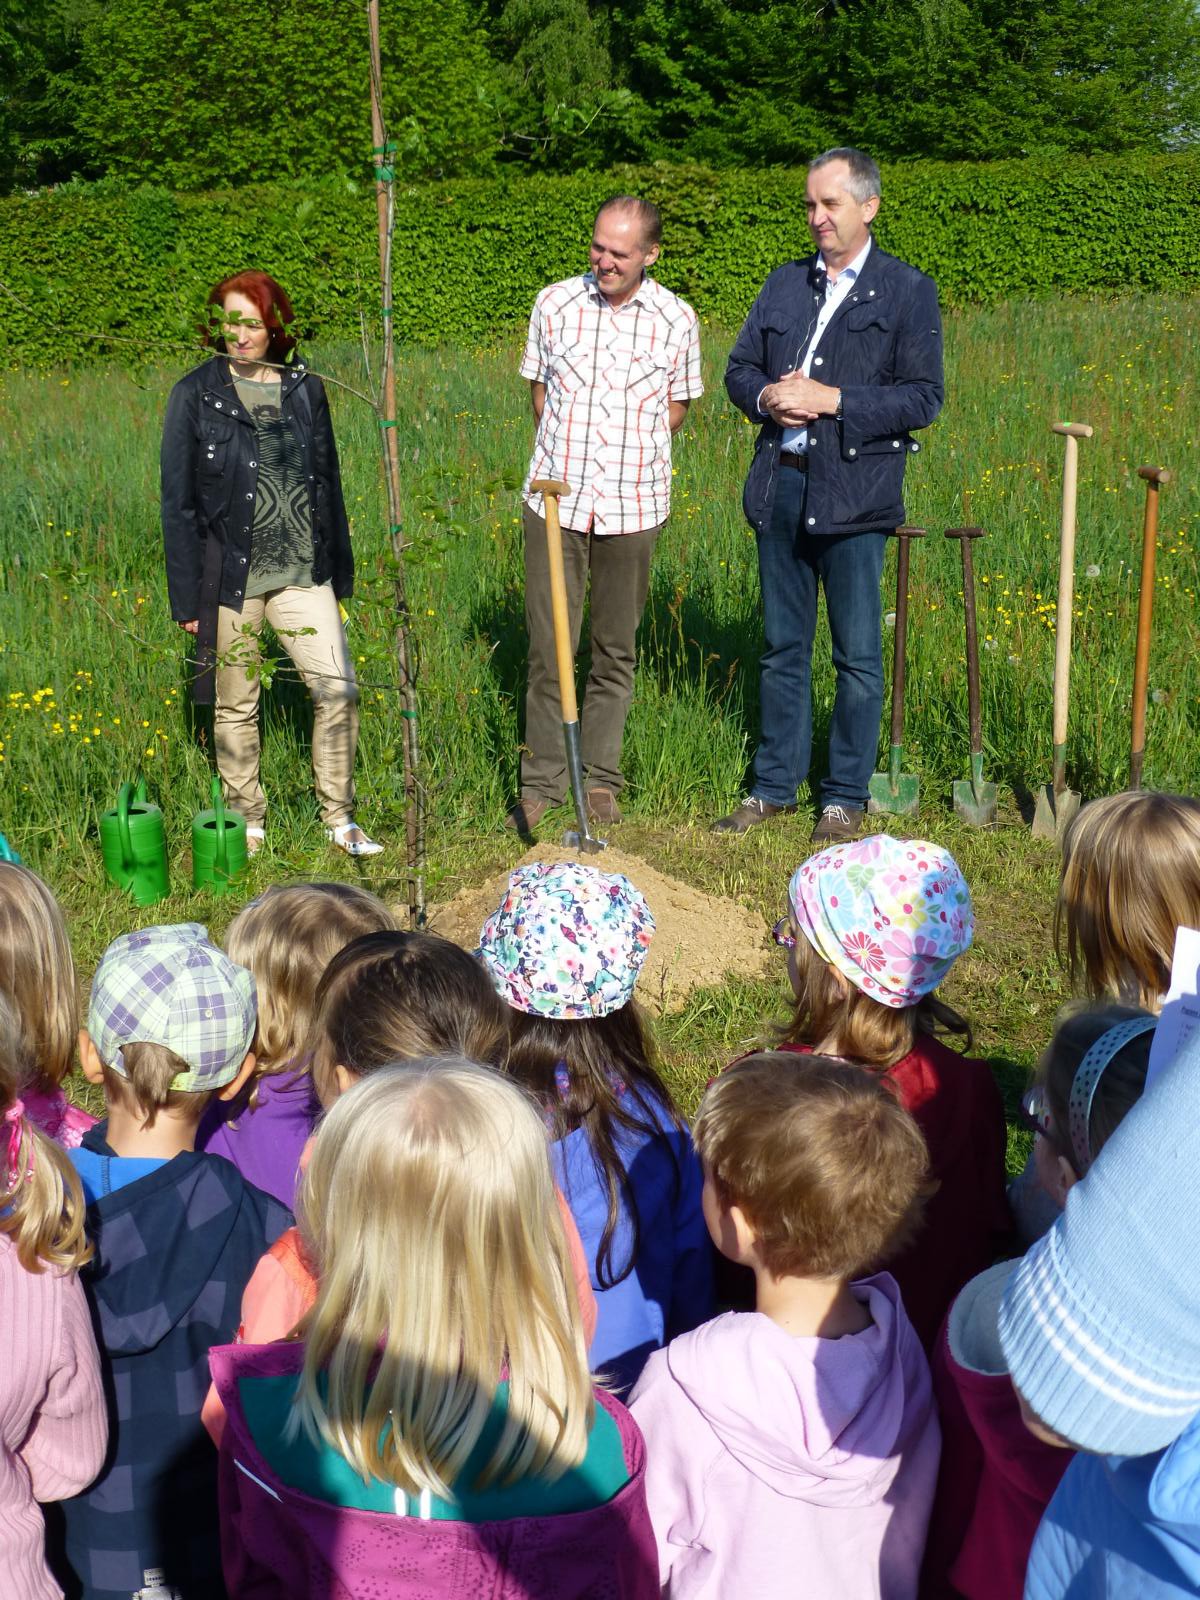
point(92, 677)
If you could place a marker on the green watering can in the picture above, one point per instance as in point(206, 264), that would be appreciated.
point(218, 845)
point(7, 853)
point(134, 846)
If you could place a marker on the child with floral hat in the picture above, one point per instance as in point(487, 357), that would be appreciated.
point(564, 950)
point(872, 928)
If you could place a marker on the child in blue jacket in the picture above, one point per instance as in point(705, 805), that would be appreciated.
point(564, 950)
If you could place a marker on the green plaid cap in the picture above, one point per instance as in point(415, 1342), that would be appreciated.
point(171, 986)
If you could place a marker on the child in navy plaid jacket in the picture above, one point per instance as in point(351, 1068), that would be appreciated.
point(176, 1235)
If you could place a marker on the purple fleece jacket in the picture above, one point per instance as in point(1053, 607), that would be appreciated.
point(778, 1466)
point(265, 1144)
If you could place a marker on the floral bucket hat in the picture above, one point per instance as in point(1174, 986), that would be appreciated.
point(892, 915)
point(568, 941)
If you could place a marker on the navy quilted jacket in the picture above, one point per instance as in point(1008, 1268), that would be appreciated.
point(883, 349)
point(174, 1251)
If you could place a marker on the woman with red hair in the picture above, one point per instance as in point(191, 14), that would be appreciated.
point(255, 530)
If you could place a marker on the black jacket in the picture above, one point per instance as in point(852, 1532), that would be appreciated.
point(883, 349)
point(209, 481)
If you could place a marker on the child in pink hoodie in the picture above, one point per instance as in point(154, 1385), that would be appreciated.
point(794, 1449)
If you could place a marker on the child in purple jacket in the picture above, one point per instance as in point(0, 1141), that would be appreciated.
point(286, 938)
point(794, 1449)
point(434, 1429)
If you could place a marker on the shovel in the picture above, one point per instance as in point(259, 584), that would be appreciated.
point(1154, 476)
point(583, 838)
point(1056, 804)
point(974, 800)
point(895, 791)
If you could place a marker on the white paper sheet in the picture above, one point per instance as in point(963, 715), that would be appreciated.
point(1180, 1019)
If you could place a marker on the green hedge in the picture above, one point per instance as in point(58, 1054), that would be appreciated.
point(471, 254)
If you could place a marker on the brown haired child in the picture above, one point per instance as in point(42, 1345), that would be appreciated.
point(794, 1448)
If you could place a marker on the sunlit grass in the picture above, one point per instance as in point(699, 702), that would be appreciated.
point(92, 678)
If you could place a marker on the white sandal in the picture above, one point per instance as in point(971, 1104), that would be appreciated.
point(361, 846)
point(255, 839)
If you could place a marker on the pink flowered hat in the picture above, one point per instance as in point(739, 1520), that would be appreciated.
point(567, 942)
point(892, 915)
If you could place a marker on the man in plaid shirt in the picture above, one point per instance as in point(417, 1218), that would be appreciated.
point(613, 361)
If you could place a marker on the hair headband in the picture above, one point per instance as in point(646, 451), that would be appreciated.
point(1087, 1081)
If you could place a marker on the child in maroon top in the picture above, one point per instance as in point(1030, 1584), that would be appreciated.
point(872, 928)
point(997, 1477)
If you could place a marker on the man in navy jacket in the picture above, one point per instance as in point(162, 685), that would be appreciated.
point(839, 360)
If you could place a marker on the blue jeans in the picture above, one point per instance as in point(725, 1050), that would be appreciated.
point(791, 565)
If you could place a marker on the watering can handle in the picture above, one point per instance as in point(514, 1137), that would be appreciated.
point(221, 860)
point(124, 796)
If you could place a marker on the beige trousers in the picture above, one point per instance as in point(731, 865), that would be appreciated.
point(308, 624)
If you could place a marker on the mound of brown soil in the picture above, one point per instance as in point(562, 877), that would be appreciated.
point(699, 941)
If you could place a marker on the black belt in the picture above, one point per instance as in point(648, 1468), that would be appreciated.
point(796, 460)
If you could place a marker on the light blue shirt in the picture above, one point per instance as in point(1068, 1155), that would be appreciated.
point(796, 439)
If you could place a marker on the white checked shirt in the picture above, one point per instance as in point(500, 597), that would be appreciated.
point(797, 438)
point(609, 376)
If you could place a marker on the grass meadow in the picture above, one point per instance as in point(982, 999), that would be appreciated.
point(92, 673)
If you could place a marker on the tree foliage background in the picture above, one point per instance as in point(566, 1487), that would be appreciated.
point(196, 94)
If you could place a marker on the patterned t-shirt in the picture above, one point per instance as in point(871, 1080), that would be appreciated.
point(281, 541)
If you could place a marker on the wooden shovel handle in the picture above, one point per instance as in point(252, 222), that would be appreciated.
point(1154, 476)
point(551, 490)
point(1073, 430)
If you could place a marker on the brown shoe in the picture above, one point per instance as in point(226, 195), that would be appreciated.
point(525, 816)
point(602, 806)
point(836, 824)
point(748, 815)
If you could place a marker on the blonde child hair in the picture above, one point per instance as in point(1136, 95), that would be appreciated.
point(37, 973)
point(41, 1199)
point(429, 1212)
point(865, 1030)
point(287, 937)
point(1130, 877)
point(399, 996)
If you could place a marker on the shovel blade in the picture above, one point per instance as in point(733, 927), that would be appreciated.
point(587, 842)
point(1053, 811)
point(975, 802)
point(901, 799)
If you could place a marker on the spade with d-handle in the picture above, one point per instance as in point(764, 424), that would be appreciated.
point(974, 800)
point(896, 791)
point(583, 838)
point(1154, 476)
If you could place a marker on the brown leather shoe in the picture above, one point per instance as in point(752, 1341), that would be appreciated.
point(602, 805)
point(525, 816)
point(837, 824)
point(748, 815)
